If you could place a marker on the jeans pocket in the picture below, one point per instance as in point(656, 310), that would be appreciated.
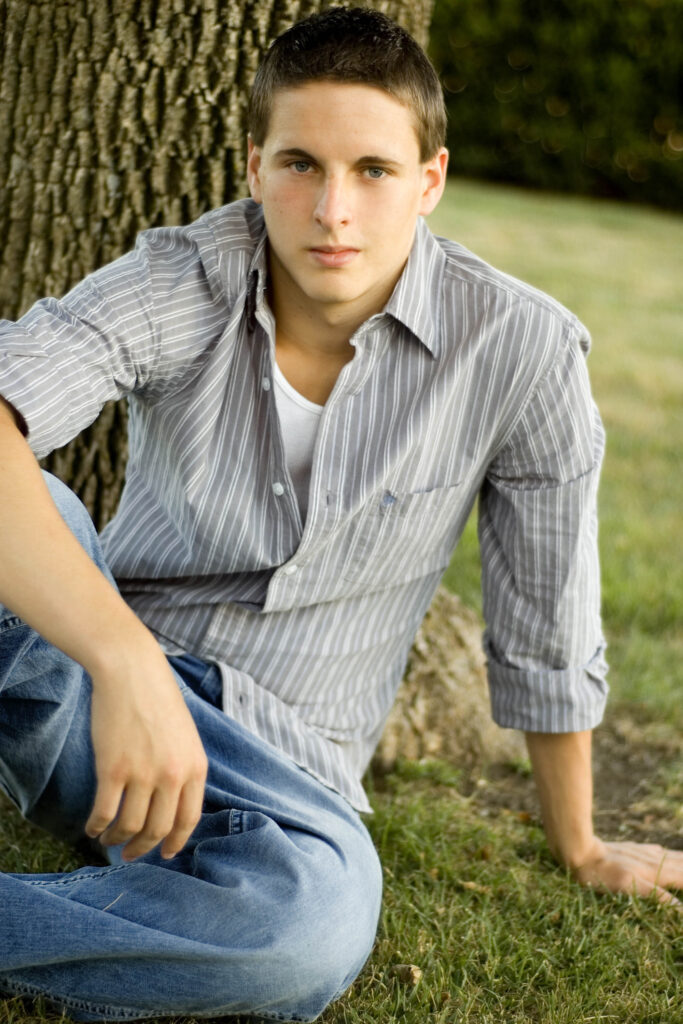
point(202, 677)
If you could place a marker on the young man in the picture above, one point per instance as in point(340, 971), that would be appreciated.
point(318, 391)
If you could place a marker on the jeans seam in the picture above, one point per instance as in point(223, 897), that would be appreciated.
point(279, 1016)
point(74, 879)
point(211, 668)
point(21, 988)
point(11, 622)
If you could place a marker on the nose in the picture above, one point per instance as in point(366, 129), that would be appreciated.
point(333, 207)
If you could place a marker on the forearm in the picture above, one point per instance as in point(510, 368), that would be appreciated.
point(149, 760)
point(45, 575)
point(562, 769)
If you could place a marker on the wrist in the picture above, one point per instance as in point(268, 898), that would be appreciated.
point(576, 850)
point(124, 651)
point(562, 769)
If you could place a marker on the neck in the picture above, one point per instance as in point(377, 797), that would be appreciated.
point(324, 328)
point(311, 364)
point(320, 336)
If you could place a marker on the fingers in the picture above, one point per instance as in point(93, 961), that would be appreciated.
point(646, 870)
point(187, 817)
point(663, 896)
point(145, 819)
point(663, 867)
point(637, 885)
point(145, 823)
point(106, 807)
point(142, 818)
point(645, 886)
point(670, 872)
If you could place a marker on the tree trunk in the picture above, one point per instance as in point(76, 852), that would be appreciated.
point(442, 709)
point(115, 116)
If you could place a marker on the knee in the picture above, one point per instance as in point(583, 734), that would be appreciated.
point(331, 944)
point(289, 969)
point(70, 506)
point(339, 960)
point(74, 513)
point(310, 975)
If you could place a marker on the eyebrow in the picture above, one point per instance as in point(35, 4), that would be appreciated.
point(373, 159)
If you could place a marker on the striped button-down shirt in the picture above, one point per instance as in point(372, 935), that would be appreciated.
point(468, 383)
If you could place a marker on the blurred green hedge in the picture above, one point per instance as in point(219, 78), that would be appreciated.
point(574, 95)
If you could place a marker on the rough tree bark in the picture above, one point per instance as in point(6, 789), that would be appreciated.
point(115, 116)
point(118, 115)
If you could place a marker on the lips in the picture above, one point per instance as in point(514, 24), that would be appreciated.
point(333, 255)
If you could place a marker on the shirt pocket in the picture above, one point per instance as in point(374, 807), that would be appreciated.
point(402, 535)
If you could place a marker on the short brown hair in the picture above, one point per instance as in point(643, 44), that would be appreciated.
point(352, 44)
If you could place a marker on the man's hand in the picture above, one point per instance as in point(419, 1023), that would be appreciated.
point(562, 768)
point(150, 763)
point(643, 869)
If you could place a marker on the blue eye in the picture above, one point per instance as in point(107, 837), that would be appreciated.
point(300, 166)
point(376, 173)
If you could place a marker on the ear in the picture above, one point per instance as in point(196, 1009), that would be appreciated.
point(434, 181)
point(253, 168)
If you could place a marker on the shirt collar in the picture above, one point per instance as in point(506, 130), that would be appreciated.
point(257, 276)
point(414, 301)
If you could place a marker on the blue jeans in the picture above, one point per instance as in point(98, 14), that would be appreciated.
point(271, 908)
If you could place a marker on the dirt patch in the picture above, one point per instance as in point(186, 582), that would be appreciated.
point(638, 771)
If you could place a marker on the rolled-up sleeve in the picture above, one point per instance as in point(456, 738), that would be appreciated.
point(540, 569)
point(65, 358)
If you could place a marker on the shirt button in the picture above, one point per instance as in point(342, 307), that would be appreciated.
point(265, 384)
point(289, 570)
point(278, 489)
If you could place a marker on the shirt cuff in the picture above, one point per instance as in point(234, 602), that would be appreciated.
point(34, 388)
point(548, 700)
point(18, 418)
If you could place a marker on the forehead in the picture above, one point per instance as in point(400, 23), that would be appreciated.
point(353, 114)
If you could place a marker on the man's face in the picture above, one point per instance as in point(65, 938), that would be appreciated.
point(341, 183)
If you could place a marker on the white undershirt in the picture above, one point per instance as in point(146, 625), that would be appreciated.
point(299, 421)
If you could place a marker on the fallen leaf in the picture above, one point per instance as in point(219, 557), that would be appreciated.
point(475, 887)
point(409, 974)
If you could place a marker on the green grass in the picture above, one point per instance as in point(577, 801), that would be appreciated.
point(620, 269)
point(472, 898)
point(501, 935)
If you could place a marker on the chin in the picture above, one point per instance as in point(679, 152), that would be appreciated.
point(332, 294)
